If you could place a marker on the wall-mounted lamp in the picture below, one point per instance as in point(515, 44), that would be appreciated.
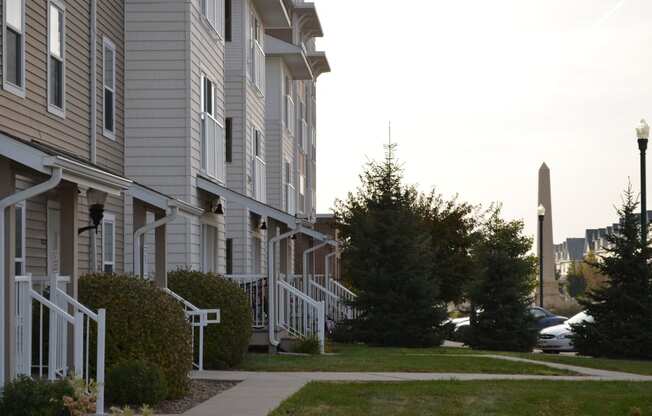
point(96, 200)
point(263, 226)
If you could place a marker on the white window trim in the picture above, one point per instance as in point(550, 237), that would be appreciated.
point(61, 112)
point(8, 86)
point(219, 6)
point(108, 218)
point(23, 259)
point(202, 110)
point(107, 43)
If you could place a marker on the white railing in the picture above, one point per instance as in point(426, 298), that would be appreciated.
point(258, 62)
point(198, 318)
point(289, 114)
point(58, 305)
point(299, 314)
point(290, 199)
point(255, 286)
point(213, 148)
point(260, 182)
point(337, 298)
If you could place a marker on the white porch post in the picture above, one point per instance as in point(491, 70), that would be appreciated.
point(7, 292)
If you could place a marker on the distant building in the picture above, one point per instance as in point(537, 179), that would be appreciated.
point(568, 253)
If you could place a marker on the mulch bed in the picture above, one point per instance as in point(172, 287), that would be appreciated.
point(200, 391)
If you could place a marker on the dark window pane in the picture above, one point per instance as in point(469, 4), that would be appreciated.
point(227, 20)
point(108, 110)
point(208, 96)
point(108, 268)
point(18, 270)
point(19, 232)
point(229, 256)
point(229, 139)
point(56, 82)
point(14, 58)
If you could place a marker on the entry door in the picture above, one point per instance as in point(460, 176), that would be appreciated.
point(255, 255)
point(209, 248)
point(54, 238)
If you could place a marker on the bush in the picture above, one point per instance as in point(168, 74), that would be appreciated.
point(308, 345)
point(143, 323)
point(225, 343)
point(344, 333)
point(122, 378)
point(27, 397)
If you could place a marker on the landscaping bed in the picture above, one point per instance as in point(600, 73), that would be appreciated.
point(471, 398)
point(200, 391)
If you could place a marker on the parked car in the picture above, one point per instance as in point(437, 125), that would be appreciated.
point(559, 338)
point(543, 319)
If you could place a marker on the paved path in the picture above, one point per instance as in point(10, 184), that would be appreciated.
point(261, 392)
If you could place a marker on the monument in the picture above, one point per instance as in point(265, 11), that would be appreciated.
point(551, 296)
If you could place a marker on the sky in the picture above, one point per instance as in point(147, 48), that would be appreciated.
point(481, 93)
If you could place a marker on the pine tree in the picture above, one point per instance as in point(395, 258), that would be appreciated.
point(622, 308)
point(501, 291)
point(388, 260)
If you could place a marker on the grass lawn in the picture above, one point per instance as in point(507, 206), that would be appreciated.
point(471, 398)
point(359, 358)
point(627, 366)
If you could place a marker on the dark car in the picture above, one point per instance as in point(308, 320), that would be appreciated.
point(544, 318)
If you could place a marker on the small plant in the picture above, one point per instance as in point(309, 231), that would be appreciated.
point(308, 345)
point(33, 397)
point(83, 399)
point(123, 377)
point(128, 411)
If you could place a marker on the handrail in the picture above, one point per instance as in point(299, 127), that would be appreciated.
point(297, 293)
point(52, 306)
point(343, 288)
point(78, 305)
point(326, 291)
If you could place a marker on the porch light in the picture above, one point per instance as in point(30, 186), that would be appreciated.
point(96, 200)
point(219, 210)
point(264, 226)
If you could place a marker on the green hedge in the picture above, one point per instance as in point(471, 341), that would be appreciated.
point(135, 383)
point(143, 323)
point(225, 343)
point(32, 397)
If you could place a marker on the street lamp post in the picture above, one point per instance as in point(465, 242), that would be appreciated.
point(541, 211)
point(643, 134)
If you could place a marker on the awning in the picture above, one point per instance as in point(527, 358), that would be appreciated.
point(161, 201)
point(319, 63)
point(273, 13)
point(293, 56)
point(42, 158)
point(309, 22)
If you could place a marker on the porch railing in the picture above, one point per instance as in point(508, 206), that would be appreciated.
point(198, 318)
point(213, 148)
point(255, 286)
point(58, 303)
point(260, 182)
point(299, 314)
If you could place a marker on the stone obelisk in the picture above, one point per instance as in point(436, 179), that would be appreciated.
point(551, 296)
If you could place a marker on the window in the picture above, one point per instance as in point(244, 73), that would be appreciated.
point(254, 38)
point(229, 256)
point(209, 248)
point(227, 20)
point(14, 52)
point(207, 96)
point(56, 58)
point(21, 221)
point(229, 140)
point(288, 173)
point(213, 11)
point(109, 88)
point(108, 243)
point(258, 151)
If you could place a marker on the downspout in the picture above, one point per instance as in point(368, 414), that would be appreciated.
point(93, 120)
point(271, 284)
point(327, 265)
point(138, 269)
point(55, 179)
point(305, 263)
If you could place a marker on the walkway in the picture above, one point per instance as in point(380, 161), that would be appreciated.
point(261, 392)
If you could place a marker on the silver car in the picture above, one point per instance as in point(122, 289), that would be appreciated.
point(558, 338)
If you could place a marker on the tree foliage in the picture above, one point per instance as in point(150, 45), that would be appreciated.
point(622, 308)
point(502, 287)
point(575, 281)
point(388, 256)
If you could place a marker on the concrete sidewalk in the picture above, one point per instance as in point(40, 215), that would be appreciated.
point(261, 392)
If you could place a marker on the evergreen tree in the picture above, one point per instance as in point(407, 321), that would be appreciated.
point(622, 308)
point(575, 281)
point(387, 256)
point(501, 292)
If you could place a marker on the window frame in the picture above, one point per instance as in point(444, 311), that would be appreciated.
point(203, 80)
point(53, 108)
point(108, 44)
point(218, 9)
point(23, 227)
point(19, 90)
point(110, 219)
point(228, 20)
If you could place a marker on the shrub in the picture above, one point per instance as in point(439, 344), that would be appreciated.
point(344, 333)
point(308, 345)
point(27, 397)
point(143, 323)
point(225, 343)
point(123, 377)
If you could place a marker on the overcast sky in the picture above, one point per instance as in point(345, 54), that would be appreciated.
point(480, 93)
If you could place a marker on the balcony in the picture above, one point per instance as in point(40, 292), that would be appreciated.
point(213, 148)
point(289, 119)
point(260, 179)
point(293, 56)
point(258, 70)
point(310, 23)
point(290, 199)
point(274, 13)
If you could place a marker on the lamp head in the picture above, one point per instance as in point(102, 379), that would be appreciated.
point(541, 211)
point(643, 130)
point(96, 200)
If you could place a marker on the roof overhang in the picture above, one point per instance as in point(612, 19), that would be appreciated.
point(309, 22)
point(161, 201)
point(75, 171)
point(319, 63)
point(292, 55)
point(273, 13)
